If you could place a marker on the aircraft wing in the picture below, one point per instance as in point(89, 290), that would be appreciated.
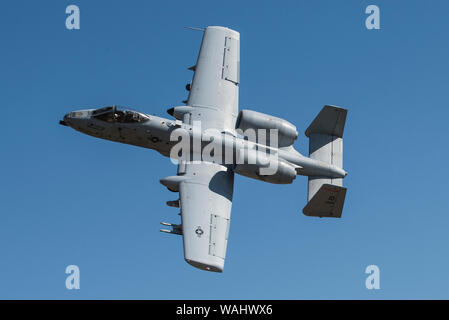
point(205, 200)
point(206, 188)
point(214, 90)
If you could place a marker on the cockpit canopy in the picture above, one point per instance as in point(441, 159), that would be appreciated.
point(112, 115)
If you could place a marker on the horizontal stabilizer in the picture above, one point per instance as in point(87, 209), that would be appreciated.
point(327, 202)
point(326, 145)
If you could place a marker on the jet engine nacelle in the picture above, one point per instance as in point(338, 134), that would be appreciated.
point(277, 172)
point(287, 133)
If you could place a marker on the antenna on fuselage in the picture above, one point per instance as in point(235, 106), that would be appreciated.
point(196, 29)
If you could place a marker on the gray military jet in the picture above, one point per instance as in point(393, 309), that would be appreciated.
point(205, 186)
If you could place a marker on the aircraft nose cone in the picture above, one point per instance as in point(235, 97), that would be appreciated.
point(66, 121)
point(67, 118)
point(76, 118)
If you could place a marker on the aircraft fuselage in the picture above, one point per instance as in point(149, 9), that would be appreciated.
point(153, 132)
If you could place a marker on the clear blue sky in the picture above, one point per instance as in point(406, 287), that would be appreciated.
point(67, 198)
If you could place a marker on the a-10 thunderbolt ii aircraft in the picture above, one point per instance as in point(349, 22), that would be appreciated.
point(206, 186)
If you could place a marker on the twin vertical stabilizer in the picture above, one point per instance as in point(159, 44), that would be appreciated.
point(326, 194)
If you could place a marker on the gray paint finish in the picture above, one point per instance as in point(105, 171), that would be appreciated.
point(206, 188)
